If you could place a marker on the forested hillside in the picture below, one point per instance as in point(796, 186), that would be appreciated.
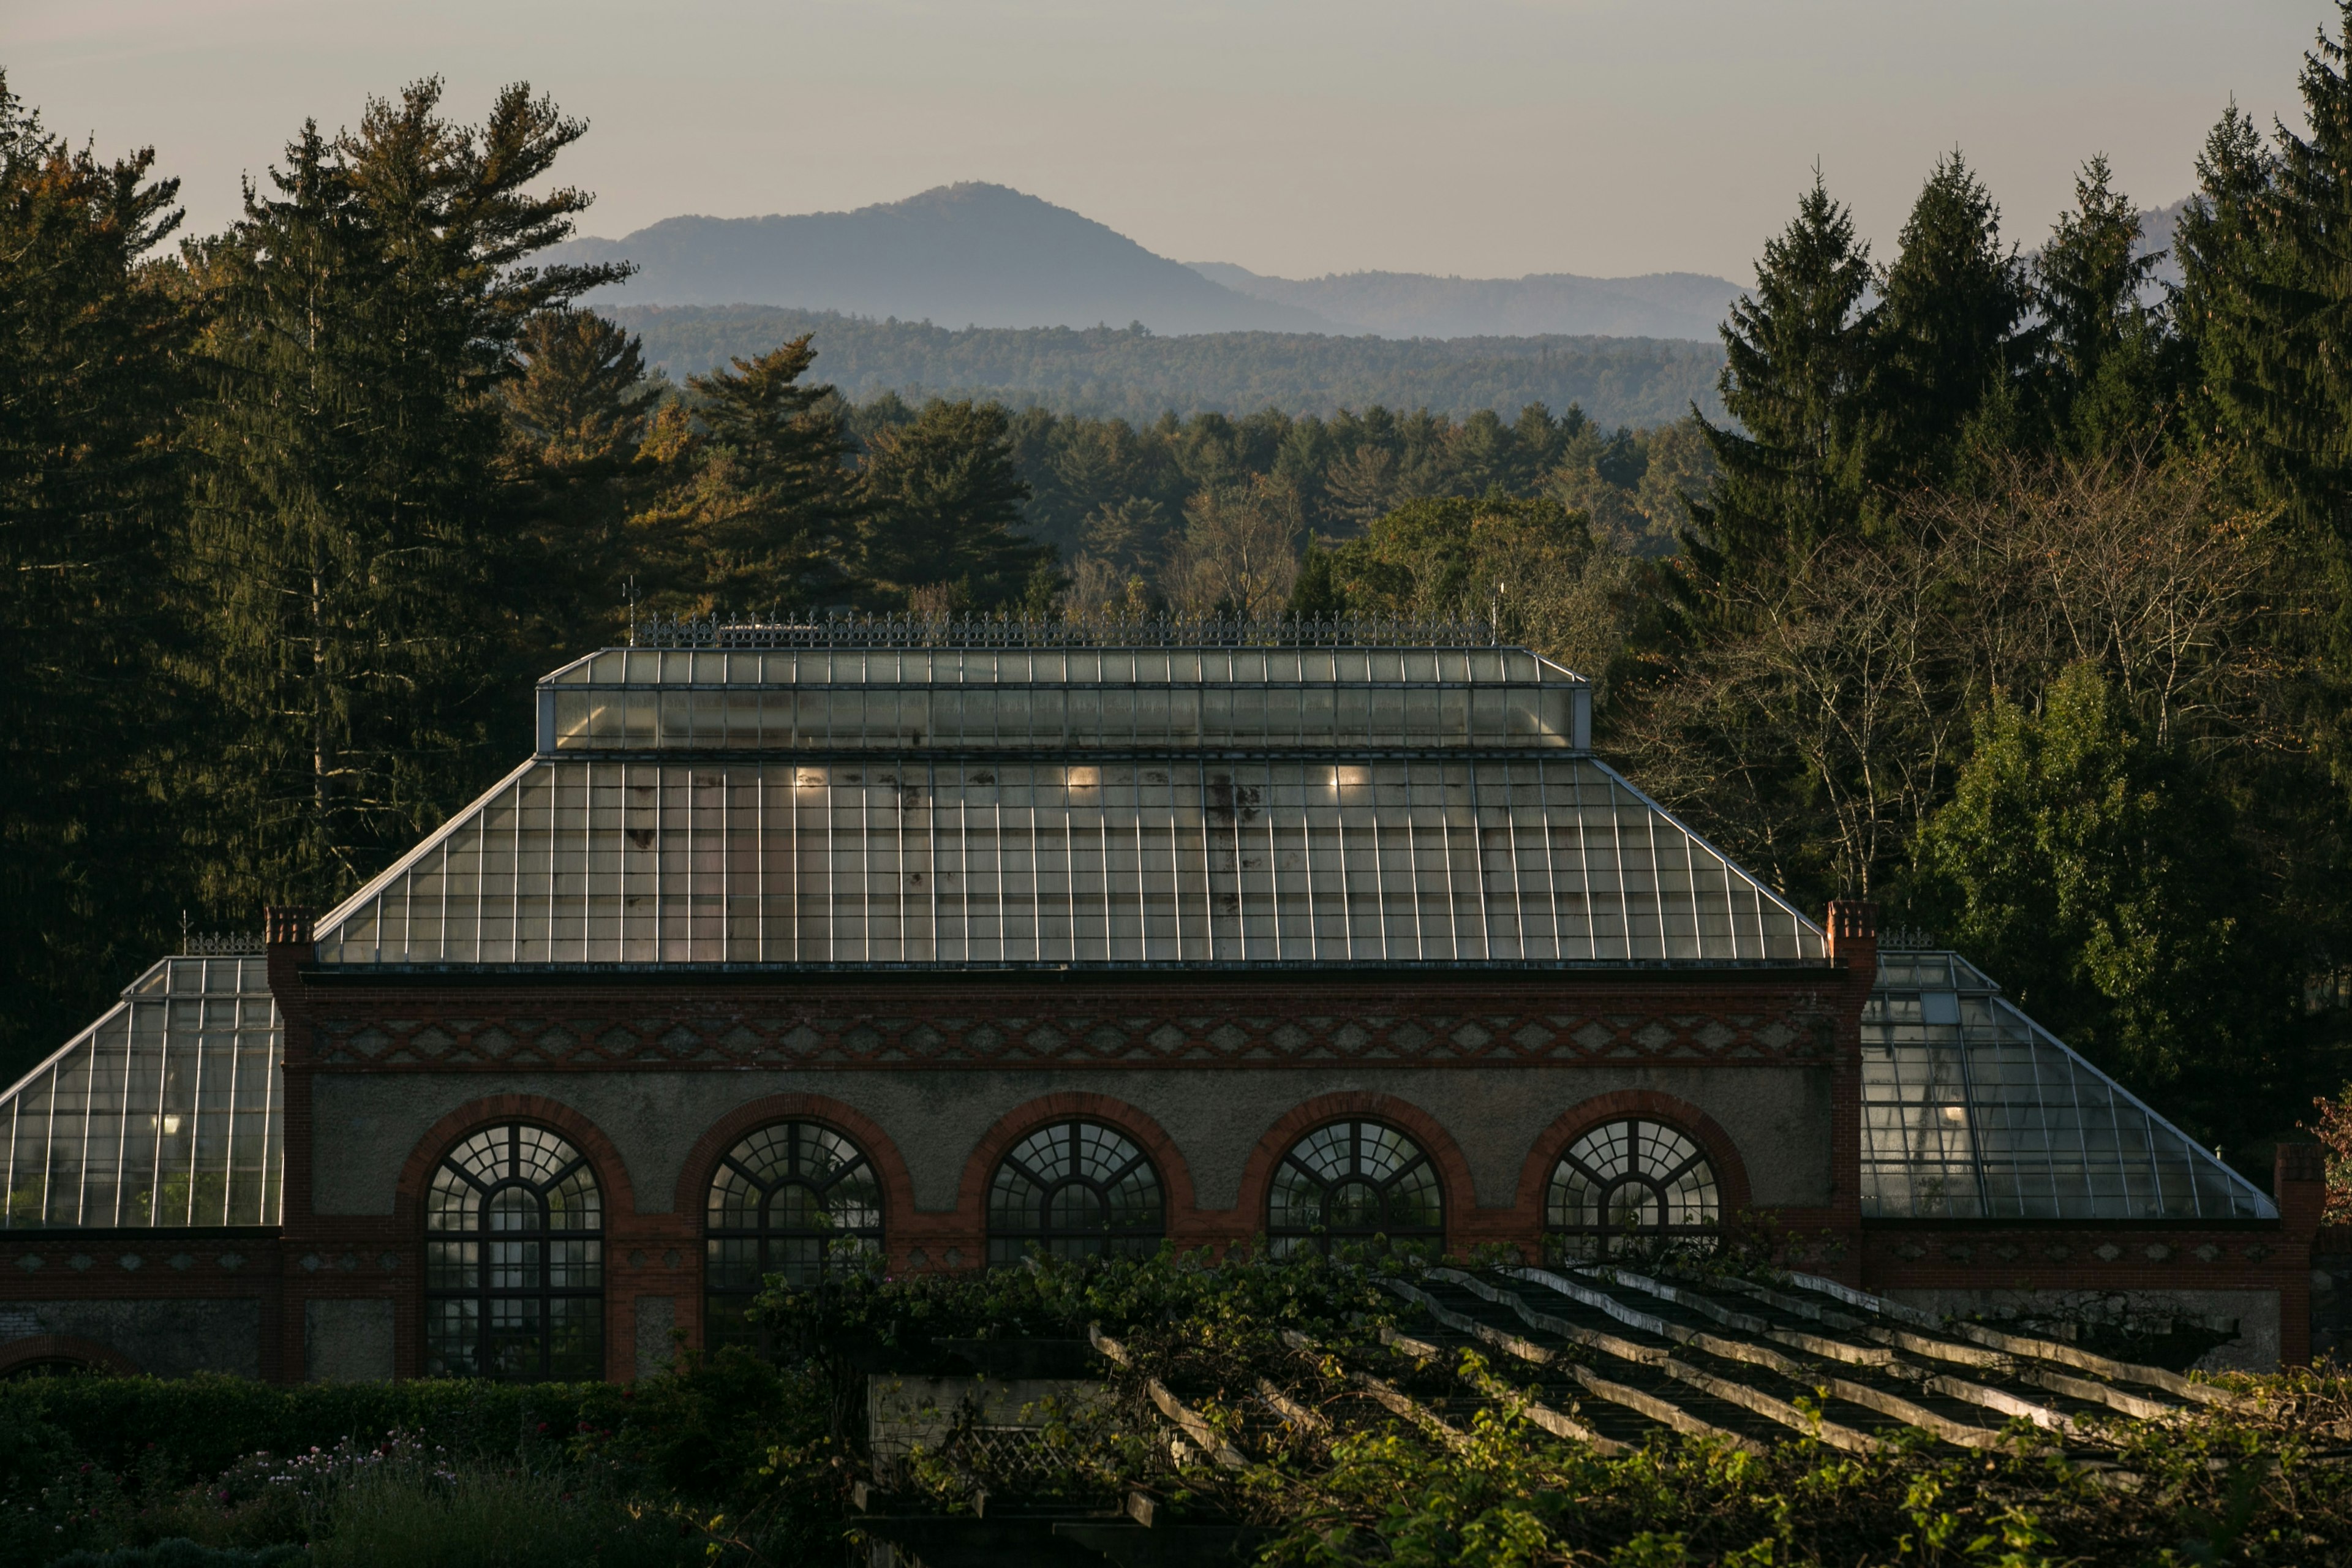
point(1138, 376)
point(1417, 305)
point(1995, 591)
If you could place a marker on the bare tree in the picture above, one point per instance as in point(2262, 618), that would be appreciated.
point(1238, 553)
point(2145, 569)
point(1818, 739)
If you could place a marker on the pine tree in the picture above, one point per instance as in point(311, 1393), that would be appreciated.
point(90, 335)
point(2219, 244)
point(757, 515)
point(2101, 379)
point(578, 413)
point(349, 536)
point(941, 504)
point(580, 396)
point(1795, 363)
point(1951, 342)
point(2266, 310)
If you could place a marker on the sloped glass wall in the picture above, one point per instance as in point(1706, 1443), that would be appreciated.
point(1972, 1111)
point(163, 1112)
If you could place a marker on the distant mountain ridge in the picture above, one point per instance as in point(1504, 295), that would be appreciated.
point(1421, 305)
point(976, 255)
point(989, 256)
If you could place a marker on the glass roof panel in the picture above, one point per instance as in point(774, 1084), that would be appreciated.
point(163, 1112)
point(639, 701)
point(1971, 1110)
point(973, 861)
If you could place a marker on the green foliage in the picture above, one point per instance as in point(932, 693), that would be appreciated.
point(182, 1553)
point(407, 1516)
point(347, 548)
point(92, 336)
point(756, 515)
point(1948, 346)
point(940, 499)
point(2103, 373)
point(1530, 568)
point(1795, 366)
point(2093, 872)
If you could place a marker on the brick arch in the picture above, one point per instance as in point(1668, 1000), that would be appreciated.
point(1175, 1174)
point(702, 1164)
point(34, 1349)
point(612, 1173)
point(1458, 1191)
point(1730, 1170)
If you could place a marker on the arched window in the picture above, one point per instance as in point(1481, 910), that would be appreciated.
point(1076, 1189)
point(1630, 1179)
point(514, 1259)
point(1353, 1180)
point(790, 1199)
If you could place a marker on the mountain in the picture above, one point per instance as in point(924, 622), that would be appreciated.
point(1138, 376)
point(1417, 305)
point(966, 254)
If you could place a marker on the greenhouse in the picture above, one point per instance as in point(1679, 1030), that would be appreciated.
point(799, 947)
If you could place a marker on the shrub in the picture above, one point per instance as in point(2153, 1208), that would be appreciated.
point(184, 1554)
point(416, 1516)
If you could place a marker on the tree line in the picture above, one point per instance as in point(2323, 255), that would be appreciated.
point(1134, 374)
point(2013, 591)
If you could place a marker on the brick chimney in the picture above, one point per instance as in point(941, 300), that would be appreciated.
point(286, 925)
point(287, 934)
point(1854, 934)
point(2299, 1178)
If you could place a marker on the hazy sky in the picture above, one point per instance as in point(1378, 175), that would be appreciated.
point(1480, 137)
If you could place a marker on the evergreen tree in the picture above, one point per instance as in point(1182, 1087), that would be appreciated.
point(941, 503)
point(580, 396)
point(578, 412)
point(1951, 342)
point(91, 333)
point(757, 516)
point(2219, 244)
point(349, 535)
point(2101, 370)
point(2267, 305)
point(1795, 361)
point(2098, 877)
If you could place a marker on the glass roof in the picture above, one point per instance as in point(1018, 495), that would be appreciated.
point(1972, 1111)
point(968, 861)
point(164, 1112)
point(1061, 699)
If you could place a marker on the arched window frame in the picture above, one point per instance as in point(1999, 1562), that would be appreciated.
point(537, 1272)
point(1631, 1179)
point(1399, 1169)
point(739, 1259)
point(1090, 1159)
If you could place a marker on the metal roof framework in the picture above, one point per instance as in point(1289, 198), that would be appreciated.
point(1972, 1111)
point(798, 803)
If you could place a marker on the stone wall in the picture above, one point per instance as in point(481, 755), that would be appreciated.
point(161, 1336)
